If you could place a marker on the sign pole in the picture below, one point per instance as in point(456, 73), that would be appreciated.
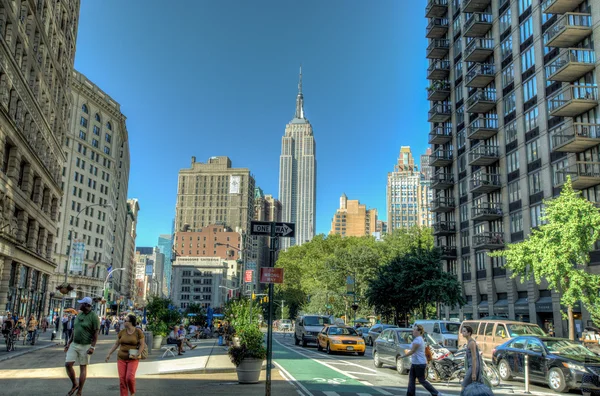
point(273, 245)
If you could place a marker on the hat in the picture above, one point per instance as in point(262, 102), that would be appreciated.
point(85, 300)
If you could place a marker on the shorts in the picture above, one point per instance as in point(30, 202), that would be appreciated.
point(78, 353)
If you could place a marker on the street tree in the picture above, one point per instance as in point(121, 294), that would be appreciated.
point(559, 252)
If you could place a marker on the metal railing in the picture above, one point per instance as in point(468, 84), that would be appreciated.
point(569, 19)
point(482, 123)
point(487, 208)
point(481, 69)
point(443, 201)
point(444, 226)
point(479, 43)
point(482, 95)
point(488, 238)
point(567, 132)
point(582, 169)
point(440, 109)
point(572, 92)
point(571, 55)
point(441, 177)
point(485, 179)
point(437, 22)
point(439, 65)
point(438, 43)
point(485, 150)
point(478, 17)
point(441, 131)
point(441, 154)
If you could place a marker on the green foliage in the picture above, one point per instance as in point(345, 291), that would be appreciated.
point(158, 328)
point(160, 316)
point(558, 251)
point(237, 313)
point(251, 344)
point(198, 310)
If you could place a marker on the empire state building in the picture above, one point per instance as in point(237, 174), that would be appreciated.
point(298, 175)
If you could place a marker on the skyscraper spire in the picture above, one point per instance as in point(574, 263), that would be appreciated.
point(300, 99)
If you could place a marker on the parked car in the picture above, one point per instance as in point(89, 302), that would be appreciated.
point(363, 331)
point(444, 332)
point(308, 328)
point(561, 363)
point(340, 339)
point(491, 333)
point(285, 325)
point(375, 330)
point(395, 342)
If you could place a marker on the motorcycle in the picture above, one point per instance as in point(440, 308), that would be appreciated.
point(450, 366)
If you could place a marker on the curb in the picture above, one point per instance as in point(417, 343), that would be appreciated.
point(214, 370)
point(17, 354)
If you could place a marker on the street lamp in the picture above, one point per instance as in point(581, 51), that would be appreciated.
point(105, 282)
point(62, 302)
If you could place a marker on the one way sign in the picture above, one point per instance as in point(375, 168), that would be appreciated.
point(286, 230)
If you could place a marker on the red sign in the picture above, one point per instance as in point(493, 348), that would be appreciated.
point(249, 276)
point(271, 275)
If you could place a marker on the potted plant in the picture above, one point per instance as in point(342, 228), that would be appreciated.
point(159, 332)
point(162, 316)
point(64, 288)
point(248, 357)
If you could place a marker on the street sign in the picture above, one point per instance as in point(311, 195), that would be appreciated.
point(248, 276)
point(286, 230)
point(271, 275)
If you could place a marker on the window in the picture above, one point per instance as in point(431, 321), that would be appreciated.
point(509, 103)
point(531, 119)
point(526, 29)
point(462, 163)
point(96, 131)
point(457, 47)
point(508, 75)
point(82, 135)
point(480, 261)
point(558, 177)
point(505, 20)
point(535, 183)
point(94, 143)
point(109, 126)
point(512, 162)
point(524, 5)
point(460, 115)
point(535, 212)
point(514, 191)
point(529, 89)
point(108, 138)
point(506, 48)
point(84, 108)
point(456, 24)
point(457, 70)
point(461, 140)
point(516, 222)
point(527, 59)
point(97, 117)
point(464, 239)
point(458, 93)
point(83, 122)
point(464, 213)
point(532, 151)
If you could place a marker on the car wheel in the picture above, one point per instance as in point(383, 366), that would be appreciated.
point(376, 362)
point(296, 340)
point(319, 347)
point(504, 370)
point(328, 349)
point(400, 366)
point(303, 342)
point(432, 375)
point(556, 380)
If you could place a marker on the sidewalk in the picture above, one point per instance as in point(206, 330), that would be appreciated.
point(20, 349)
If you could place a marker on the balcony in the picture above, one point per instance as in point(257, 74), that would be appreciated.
point(441, 181)
point(440, 135)
point(477, 24)
point(437, 28)
point(568, 30)
point(475, 5)
point(481, 75)
point(484, 155)
point(575, 137)
point(443, 204)
point(487, 211)
point(442, 228)
point(436, 8)
point(438, 70)
point(573, 100)
point(448, 252)
point(560, 6)
point(482, 128)
point(583, 174)
point(482, 101)
point(438, 48)
point(488, 240)
point(485, 182)
point(438, 91)
point(440, 113)
point(440, 158)
point(479, 49)
point(571, 64)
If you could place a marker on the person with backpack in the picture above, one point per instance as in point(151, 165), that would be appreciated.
point(418, 365)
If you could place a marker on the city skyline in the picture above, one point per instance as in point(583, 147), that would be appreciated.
point(242, 88)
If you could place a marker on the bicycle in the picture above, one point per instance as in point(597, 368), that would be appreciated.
point(10, 341)
point(32, 337)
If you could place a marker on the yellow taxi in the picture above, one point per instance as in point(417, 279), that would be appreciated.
point(340, 339)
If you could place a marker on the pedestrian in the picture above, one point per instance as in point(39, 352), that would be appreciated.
point(57, 323)
point(65, 328)
point(472, 358)
point(32, 326)
point(44, 324)
point(82, 344)
point(102, 323)
point(418, 363)
point(131, 344)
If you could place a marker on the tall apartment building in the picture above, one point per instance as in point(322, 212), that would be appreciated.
point(353, 219)
point(298, 175)
point(165, 244)
point(407, 194)
point(150, 281)
point(95, 178)
point(266, 208)
point(514, 110)
point(133, 207)
point(381, 227)
point(36, 61)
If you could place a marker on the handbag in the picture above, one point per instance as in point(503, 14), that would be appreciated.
point(144, 354)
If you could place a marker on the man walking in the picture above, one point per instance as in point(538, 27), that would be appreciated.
point(82, 344)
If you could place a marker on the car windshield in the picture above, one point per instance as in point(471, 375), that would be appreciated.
point(316, 321)
point(516, 330)
point(567, 348)
point(342, 331)
point(286, 321)
point(450, 328)
point(429, 339)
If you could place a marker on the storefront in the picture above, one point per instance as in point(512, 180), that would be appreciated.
point(27, 291)
point(484, 309)
point(522, 309)
point(501, 308)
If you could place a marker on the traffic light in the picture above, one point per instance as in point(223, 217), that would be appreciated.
point(267, 299)
point(253, 296)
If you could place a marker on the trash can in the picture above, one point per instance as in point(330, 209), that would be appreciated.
point(148, 338)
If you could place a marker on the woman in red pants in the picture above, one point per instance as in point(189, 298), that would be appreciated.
point(131, 344)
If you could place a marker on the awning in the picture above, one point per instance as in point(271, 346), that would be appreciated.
point(483, 306)
point(501, 306)
point(544, 304)
point(522, 306)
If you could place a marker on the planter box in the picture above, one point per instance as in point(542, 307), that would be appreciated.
point(249, 371)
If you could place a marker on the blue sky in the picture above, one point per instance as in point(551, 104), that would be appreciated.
point(207, 78)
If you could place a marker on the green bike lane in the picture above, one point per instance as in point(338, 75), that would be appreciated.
point(317, 376)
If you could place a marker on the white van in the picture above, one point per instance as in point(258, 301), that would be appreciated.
point(443, 331)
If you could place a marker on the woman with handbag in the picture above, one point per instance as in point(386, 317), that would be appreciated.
point(132, 348)
point(472, 359)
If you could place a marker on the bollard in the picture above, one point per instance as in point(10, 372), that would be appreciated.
point(527, 375)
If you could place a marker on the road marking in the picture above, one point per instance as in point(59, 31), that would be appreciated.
point(354, 372)
point(293, 380)
point(329, 393)
point(383, 392)
point(366, 383)
point(333, 381)
point(363, 394)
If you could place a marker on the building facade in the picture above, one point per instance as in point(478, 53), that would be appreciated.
point(353, 219)
point(407, 194)
point(133, 207)
point(298, 175)
point(36, 62)
point(93, 214)
point(514, 110)
point(165, 244)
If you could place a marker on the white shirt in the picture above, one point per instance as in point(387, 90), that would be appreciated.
point(419, 356)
